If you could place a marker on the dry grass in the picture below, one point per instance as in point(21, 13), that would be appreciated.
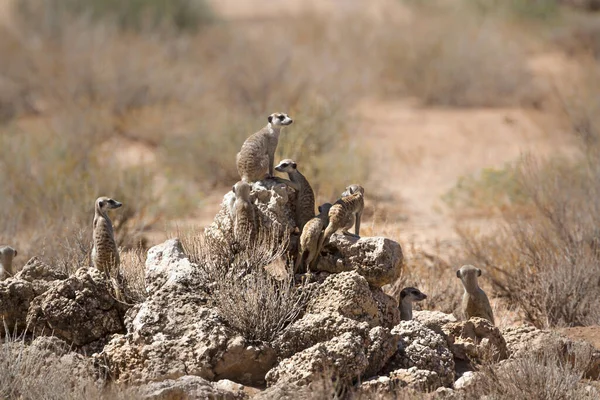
point(28, 372)
point(251, 286)
point(550, 374)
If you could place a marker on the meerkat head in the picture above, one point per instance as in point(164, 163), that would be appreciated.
point(468, 274)
point(412, 294)
point(106, 203)
point(286, 165)
point(279, 119)
point(7, 252)
point(353, 189)
point(242, 190)
point(324, 208)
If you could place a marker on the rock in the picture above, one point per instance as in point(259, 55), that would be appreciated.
point(185, 388)
point(474, 339)
point(424, 349)
point(173, 333)
point(467, 379)
point(349, 294)
point(273, 208)
point(433, 320)
point(316, 328)
point(342, 357)
point(382, 346)
point(15, 298)
point(41, 275)
point(378, 259)
point(79, 310)
point(399, 380)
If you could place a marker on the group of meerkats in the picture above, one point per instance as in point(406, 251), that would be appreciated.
point(256, 162)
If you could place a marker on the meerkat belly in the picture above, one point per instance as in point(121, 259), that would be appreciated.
point(474, 307)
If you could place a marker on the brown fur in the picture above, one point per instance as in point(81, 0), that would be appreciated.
point(475, 302)
point(305, 196)
point(257, 155)
point(310, 239)
point(7, 254)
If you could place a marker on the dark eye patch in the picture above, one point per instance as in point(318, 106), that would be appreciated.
point(281, 117)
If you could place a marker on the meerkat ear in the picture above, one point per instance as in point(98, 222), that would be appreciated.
point(478, 272)
point(233, 188)
point(458, 273)
point(294, 165)
point(15, 254)
point(270, 119)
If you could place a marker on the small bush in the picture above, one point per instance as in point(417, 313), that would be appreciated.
point(183, 15)
point(549, 374)
point(251, 297)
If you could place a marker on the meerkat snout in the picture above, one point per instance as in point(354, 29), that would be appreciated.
point(106, 203)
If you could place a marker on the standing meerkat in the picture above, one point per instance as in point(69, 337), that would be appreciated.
point(310, 238)
point(305, 197)
point(475, 303)
point(344, 211)
point(7, 254)
point(257, 155)
point(409, 295)
point(105, 255)
point(242, 212)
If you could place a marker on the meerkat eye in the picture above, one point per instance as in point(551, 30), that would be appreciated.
point(281, 117)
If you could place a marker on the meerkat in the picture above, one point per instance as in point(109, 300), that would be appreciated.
point(305, 197)
point(345, 212)
point(257, 155)
point(7, 254)
point(242, 210)
point(310, 238)
point(105, 255)
point(475, 303)
point(409, 295)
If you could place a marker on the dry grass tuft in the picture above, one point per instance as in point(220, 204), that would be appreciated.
point(549, 374)
point(249, 297)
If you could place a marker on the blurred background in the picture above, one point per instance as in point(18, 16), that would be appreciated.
point(453, 114)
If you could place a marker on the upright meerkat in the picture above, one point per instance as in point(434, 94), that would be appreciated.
point(310, 239)
point(475, 303)
point(305, 197)
point(345, 211)
point(409, 295)
point(105, 255)
point(257, 155)
point(243, 213)
point(7, 254)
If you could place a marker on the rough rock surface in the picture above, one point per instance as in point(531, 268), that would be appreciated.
point(173, 333)
point(316, 328)
point(413, 378)
point(433, 320)
point(474, 339)
point(186, 388)
point(342, 357)
point(378, 259)
point(424, 349)
point(382, 346)
point(349, 294)
point(273, 208)
point(40, 274)
point(81, 309)
point(15, 298)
